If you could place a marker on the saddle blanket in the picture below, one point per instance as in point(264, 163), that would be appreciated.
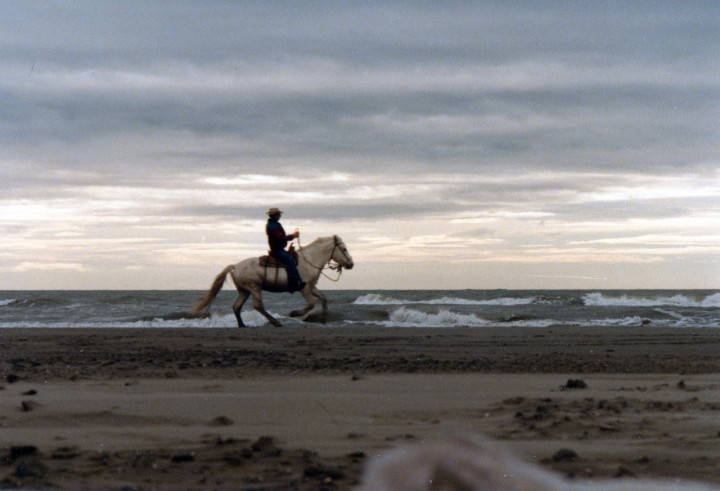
point(270, 262)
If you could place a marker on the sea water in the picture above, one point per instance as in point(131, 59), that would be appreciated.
point(352, 308)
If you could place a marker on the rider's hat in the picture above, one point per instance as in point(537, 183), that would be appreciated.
point(274, 211)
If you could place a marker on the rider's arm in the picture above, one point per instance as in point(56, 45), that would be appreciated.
point(279, 234)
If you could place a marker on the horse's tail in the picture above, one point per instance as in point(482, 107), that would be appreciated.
point(210, 295)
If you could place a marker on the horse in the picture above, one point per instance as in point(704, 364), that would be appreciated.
point(250, 278)
point(466, 463)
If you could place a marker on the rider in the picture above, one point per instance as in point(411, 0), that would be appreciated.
point(278, 240)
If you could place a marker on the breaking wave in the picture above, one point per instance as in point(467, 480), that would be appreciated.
point(627, 321)
point(377, 299)
point(600, 300)
point(4, 303)
point(403, 317)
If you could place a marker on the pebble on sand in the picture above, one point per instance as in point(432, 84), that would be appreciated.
point(564, 455)
point(26, 406)
point(179, 459)
point(574, 384)
point(222, 421)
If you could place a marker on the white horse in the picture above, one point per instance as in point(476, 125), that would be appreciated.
point(251, 278)
point(467, 464)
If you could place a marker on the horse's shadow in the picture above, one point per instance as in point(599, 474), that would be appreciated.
point(320, 318)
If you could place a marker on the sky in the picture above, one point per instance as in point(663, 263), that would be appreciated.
point(495, 144)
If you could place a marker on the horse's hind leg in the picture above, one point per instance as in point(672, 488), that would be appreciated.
point(258, 304)
point(237, 306)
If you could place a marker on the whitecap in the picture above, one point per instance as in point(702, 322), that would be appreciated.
point(6, 302)
point(377, 299)
point(711, 301)
point(600, 300)
point(626, 321)
point(494, 301)
point(683, 321)
point(403, 317)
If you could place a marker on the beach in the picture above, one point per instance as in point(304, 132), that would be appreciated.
point(305, 408)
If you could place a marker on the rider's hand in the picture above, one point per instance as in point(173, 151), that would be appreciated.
point(296, 234)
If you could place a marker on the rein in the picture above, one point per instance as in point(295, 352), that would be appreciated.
point(327, 265)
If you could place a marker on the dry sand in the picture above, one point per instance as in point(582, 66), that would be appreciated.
point(305, 408)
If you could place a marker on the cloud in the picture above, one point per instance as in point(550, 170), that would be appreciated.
point(661, 240)
point(28, 266)
point(468, 86)
point(562, 129)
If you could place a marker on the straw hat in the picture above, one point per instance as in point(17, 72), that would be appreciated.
point(274, 211)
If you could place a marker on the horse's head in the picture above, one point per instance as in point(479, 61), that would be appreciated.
point(341, 255)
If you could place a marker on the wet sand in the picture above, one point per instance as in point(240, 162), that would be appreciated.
point(305, 408)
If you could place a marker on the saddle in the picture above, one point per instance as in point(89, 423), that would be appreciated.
point(270, 262)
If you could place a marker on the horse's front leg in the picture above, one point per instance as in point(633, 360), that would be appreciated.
point(308, 296)
point(323, 301)
point(258, 304)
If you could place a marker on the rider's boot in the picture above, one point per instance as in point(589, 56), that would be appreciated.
point(296, 287)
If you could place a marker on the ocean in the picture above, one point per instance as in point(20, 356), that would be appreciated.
point(382, 308)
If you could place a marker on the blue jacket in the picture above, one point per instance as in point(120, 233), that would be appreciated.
point(277, 238)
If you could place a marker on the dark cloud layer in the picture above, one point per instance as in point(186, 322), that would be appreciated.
point(364, 31)
point(409, 128)
point(653, 91)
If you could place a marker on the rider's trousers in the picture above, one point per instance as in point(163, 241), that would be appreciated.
point(293, 275)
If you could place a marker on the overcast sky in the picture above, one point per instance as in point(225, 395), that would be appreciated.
point(450, 144)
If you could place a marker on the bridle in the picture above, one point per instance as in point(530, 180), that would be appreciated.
point(327, 265)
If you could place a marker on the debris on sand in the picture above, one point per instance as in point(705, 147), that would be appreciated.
point(182, 458)
point(20, 451)
point(564, 455)
point(321, 471)
point(266, 447)
point(26, 406)
point(222, 421)
point(574, 384)
point(31, 468)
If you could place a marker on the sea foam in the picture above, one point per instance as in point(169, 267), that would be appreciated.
point(250, 318)
point(403, 317)
point(377, 299)
point(600, 300)
point(625, 321)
